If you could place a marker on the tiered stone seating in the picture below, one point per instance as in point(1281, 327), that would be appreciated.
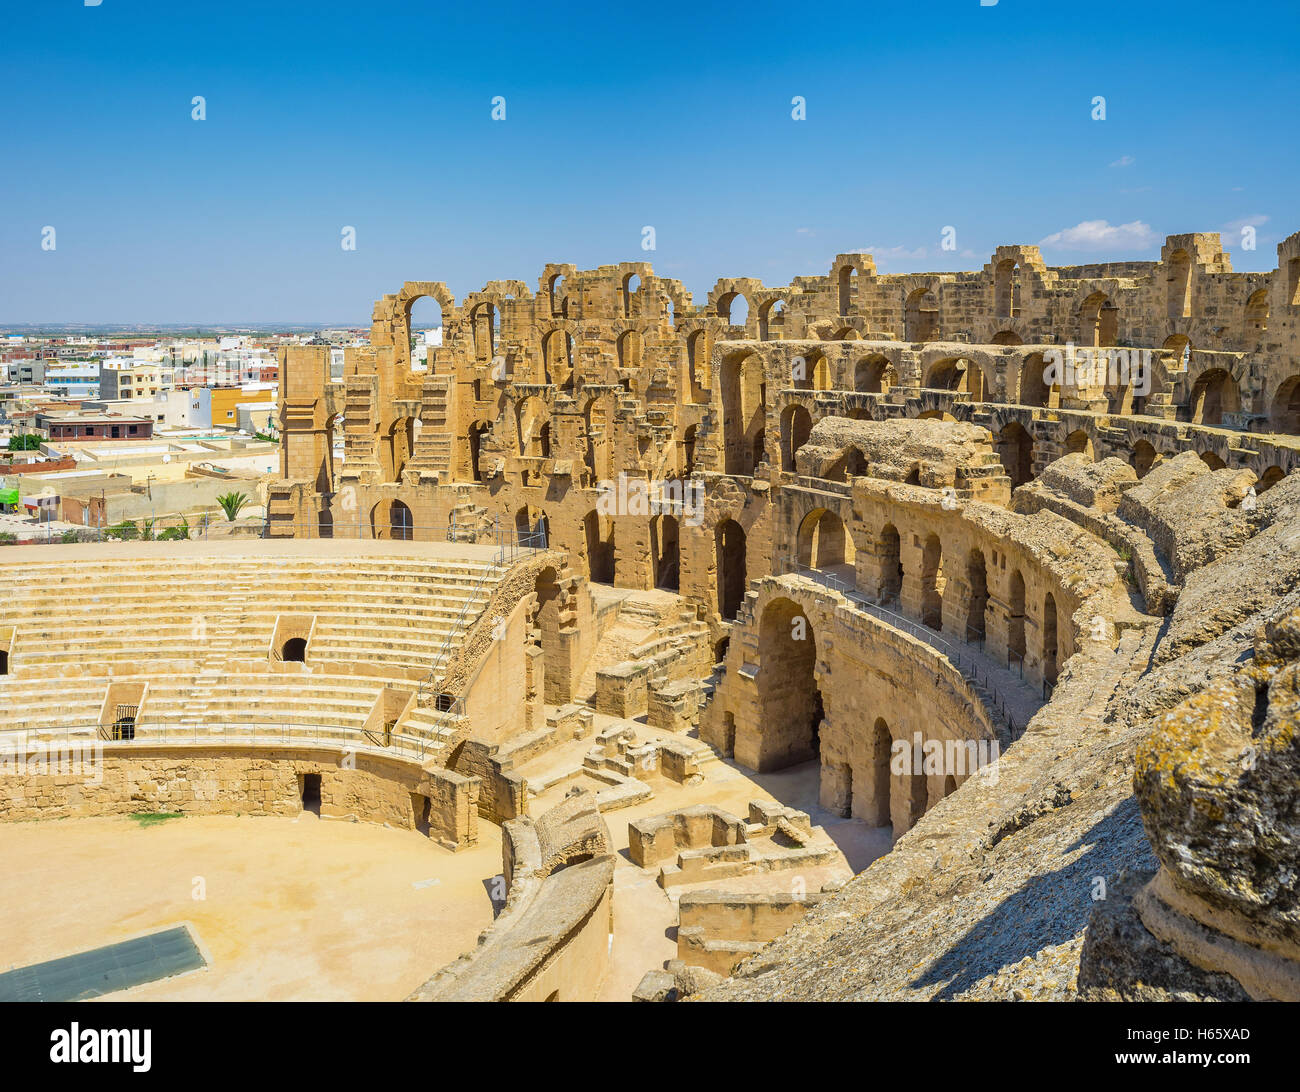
point(198, 631)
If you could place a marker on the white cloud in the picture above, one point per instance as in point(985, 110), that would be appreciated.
point(900, 252)
point(1102, 235)
point(1258, 220)
point(1124, 161)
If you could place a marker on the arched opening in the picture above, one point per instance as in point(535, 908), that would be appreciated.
point(1016, 620)
point(559, 303)
point(1034, 390)
point(424, 330)
point(891, 564)
point(1050, 650)
point(1210, 459)
point(1284, 415)
point(977, 578)
point(696, 355)
point(771, 321)
point(397, 447)
point(1257, 313)
point(1098, 321)
point(629, 350)
point(744, 411)
point(1214, 393)
point(598, 532)
point(1015, 449)
point(557, 359)
point(729, 552)
point(547, 590)
point(921, 315)
point(688, 451)
point(1179, 285)
point(790, 706)
point(1006, 288)
point(483, 320)
point(958, 374)
point(822, 379)
point(631, 286)
point(881, 752)
point(1080, 443)
point(823, 542)
point(852, 464)
point(325, 524)
point(294, 650)
point(401, 526)
point(1269, 478)
point(932, 583)
point(733, 308)
point(796, 424)
point(874, 375)
point(848, 288)
point(476, 432)
point(664, 534)
point(534, 429)
point(1007, 337)
point(1144, 458)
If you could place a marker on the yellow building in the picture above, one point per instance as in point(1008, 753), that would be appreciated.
point(227, 400)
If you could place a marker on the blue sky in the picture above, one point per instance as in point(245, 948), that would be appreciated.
point(378, 116)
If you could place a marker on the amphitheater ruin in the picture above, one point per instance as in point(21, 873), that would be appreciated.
point(867, 637)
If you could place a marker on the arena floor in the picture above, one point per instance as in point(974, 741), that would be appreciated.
point(294, 909)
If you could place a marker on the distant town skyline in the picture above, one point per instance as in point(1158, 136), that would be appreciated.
point(202, 166)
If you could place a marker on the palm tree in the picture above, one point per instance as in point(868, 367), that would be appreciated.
point(231, 503)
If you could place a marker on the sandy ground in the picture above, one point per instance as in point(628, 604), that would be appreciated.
point(293, 909)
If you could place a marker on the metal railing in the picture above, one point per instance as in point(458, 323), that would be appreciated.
point(969, 665)
point(148, 529)
point(510, 543)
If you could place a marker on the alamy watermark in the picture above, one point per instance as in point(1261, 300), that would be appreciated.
point(63, 758)
point(645, 497)
point(946, 757)
point(1087, 366)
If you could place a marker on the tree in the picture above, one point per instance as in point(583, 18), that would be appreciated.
point(231, 503)
point(27, 442)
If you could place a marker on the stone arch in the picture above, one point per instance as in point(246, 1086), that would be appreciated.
point(630, 347)
point(1034, 389)
point(1178, 285)
point(1051, 649)
point(419, 316)
point(1015, 448)
point(789, 701)
point(957, 374)
point(771, 320)
point(1269, 478)
point(1144, 458)
point(1284, 413)
point(921, 314)
point(881, 750)
point(1214, 394)
point(598, 534)
point(534, 420)
point(1212, 460)
point(1016, 619)
point(484, 326)
point(729, 558)
point(665, 537)
point(796, 424)
point(557, 358)
point(1080, 443)
point(631, 287)
point(555, 680)
point(733, 308)
point(476, 432)
point(1098, 320)
point(977, 580)
point(1256, 314)
point(932, 582)
point(874, 375)
point(890, 552)
point(697, 353)
point(1007, 337)
point(396, 448)
point(744, 410)
point(1007, 288)
point(823, 542)
point(847, 286)
point(401, 524)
